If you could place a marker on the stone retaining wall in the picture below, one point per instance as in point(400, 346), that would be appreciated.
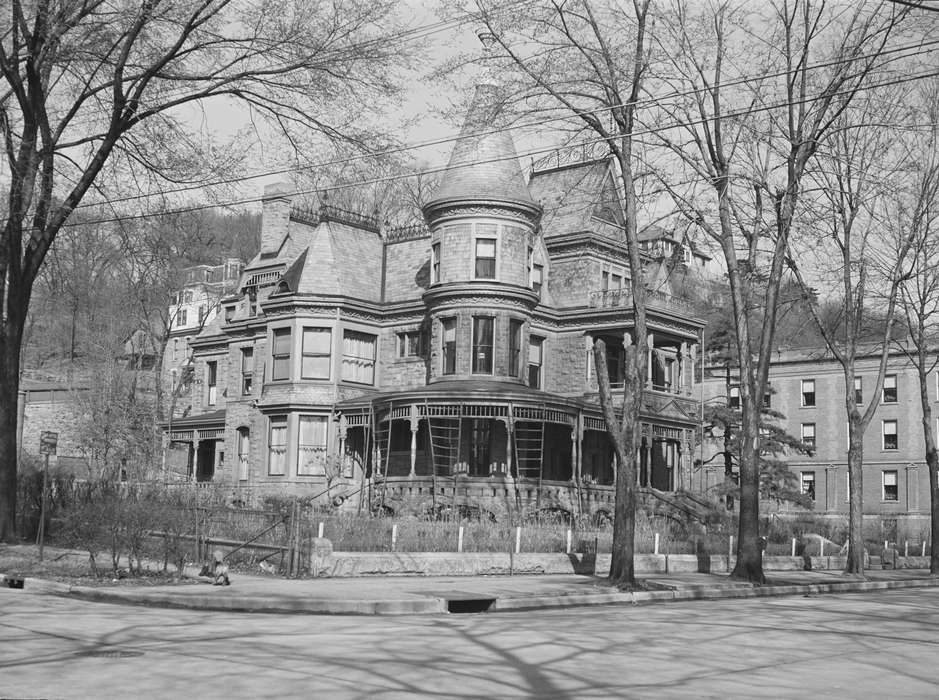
point(345, 564)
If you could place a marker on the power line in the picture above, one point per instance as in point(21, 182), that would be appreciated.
point(428, 171)
point(418, 32)
point(920, 46)
point(921, 5)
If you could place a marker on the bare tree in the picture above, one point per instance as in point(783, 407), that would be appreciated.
point(865, 257)
point(588, 60)
point(758, 89)
point(917, 211)
point(95, 87)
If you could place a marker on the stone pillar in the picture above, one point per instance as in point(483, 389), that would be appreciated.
point(912, 487)
point(415, 421)
point(692, 355)
point(650, 341)
point(680, 361)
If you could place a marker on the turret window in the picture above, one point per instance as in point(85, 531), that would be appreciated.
point(435, 263)
point(515, 344)
point(482, 344)
point(448, 345)
point(535, 361)
point(486, 258)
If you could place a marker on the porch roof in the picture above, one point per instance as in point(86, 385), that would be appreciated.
point(212, 419)
point(456, 390)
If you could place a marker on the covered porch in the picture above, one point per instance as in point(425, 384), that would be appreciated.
point(193, 447)
point(494, 448)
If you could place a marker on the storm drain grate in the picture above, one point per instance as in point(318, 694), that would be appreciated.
point(469, 605)
point(109, 653)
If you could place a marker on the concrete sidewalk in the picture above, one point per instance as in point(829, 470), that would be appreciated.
point(403, 595)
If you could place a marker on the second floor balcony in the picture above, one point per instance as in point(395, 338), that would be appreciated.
point(655, 299)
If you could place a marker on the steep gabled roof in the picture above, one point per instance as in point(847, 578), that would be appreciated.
point(576, 197)
point(339, 260)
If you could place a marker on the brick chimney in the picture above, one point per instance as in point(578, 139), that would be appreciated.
point(275, 217)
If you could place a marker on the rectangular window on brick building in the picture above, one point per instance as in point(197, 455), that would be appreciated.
point(891, 492)
point(181, 317)
point(358, 357)
point(537, 278)
point(486, 258)
point(317, 353)
point(311, 445)
point(277, 447)
point(448, 346)
point(482, 344)
point(890, 389)
point(435, 263)
point(515, 347)
point(410, 344)
point(535, 361)
point(211, 382)
point(808, 434)
point(280, 354)
point(890, 435)
point(858, 390)
point(247, 370)
point(808, 392)
point(733, 399)
point(808, 484)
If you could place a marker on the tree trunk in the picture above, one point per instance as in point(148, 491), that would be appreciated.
point(624, 434)
point(855, 562)
point(932, 455)
point(749, 566)
point(9, 395)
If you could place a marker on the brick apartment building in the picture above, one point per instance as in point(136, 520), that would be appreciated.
point(445, 364)
point(808, 389)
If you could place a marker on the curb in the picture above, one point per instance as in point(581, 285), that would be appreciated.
point(222, 601)
point(261, 604)
point(702, 593)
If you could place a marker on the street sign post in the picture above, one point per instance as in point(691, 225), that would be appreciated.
point(48, 441)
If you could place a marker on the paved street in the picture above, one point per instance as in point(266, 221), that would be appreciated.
point(876, 645)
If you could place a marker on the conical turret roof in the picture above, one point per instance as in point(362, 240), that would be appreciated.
point(484, 163)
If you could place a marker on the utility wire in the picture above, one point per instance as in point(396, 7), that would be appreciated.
point(452, 138)
point(428, 171)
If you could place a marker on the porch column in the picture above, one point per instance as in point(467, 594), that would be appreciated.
point(574, 456)
point(509, 440)
point(415, 421)
point(343, 431)
point(682, 354)
point(651, 344)
point(647, 450)
point(692, 355)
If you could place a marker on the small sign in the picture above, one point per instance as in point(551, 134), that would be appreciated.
point(47, 442)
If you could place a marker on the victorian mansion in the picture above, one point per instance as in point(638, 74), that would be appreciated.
point(447, 363)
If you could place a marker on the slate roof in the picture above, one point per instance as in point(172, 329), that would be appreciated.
point(574, 195)
point(339, 260)
point(484, 164)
